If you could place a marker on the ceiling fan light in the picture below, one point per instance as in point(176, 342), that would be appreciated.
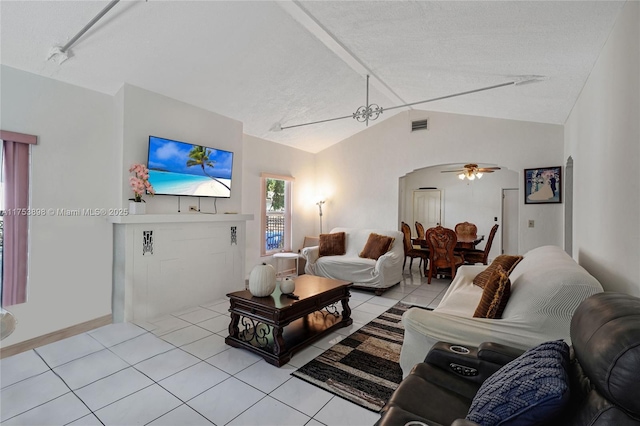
point(471, 176)
point(461, 176)
point(479, 175)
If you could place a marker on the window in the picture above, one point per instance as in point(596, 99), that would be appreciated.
point(276, 214)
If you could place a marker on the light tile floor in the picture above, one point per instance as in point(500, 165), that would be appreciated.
point(177, 370)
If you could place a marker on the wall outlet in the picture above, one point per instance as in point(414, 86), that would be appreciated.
point(531, 223)
point(193, 208)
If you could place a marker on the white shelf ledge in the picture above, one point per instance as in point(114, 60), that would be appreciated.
point(179, 218)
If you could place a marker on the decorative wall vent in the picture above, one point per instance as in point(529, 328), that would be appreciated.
point(234, 235)
point(147, 242)
point(419, 125)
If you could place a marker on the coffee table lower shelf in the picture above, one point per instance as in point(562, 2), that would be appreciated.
point(259, 337)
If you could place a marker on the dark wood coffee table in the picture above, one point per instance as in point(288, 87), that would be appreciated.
point(276, 326)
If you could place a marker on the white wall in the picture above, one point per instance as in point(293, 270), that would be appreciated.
point(360, 174)
point(602, 135)
point(147, 113)
point(87, 141)
point(478, 201)
point(73, 166)
point(269, 157)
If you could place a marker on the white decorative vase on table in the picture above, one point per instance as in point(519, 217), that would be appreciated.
point(287, 286)
point(262, 280)
point(137, 208)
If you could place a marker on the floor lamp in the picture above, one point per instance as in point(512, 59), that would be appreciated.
point(319, 204)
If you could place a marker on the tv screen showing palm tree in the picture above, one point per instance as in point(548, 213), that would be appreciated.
point(179, 168)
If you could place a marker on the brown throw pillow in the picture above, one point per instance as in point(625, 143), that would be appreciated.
point(495, 295)
point(507, 262)
point(376, 246)
point(332, 244)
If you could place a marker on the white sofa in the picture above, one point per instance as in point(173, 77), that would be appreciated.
point(546, 288)
point(366, 273)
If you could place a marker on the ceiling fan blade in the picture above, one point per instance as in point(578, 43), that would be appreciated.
point(488, 169)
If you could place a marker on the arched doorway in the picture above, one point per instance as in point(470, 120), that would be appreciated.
point(478, 201)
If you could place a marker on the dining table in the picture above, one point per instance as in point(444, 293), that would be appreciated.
point(463, 244)
point(468, 241)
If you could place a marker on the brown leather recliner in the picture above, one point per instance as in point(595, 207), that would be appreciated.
point(604, 372)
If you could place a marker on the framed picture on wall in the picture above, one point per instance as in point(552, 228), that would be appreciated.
point(543, 185)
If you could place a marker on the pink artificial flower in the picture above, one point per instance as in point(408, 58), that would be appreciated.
point(140, 181)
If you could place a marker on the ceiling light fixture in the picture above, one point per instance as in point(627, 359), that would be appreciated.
point(370, 112)
point(472, 171)
point(471, 175)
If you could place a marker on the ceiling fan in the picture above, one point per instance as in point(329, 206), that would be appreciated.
point(472, 171)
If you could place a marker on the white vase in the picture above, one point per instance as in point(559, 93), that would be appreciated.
point(287, 286)
point(137, 208)
point(262, 280)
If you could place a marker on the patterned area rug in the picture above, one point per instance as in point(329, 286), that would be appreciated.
point(364, 367)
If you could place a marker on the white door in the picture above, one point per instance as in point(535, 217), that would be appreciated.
point(427, 208)
point(510, 221)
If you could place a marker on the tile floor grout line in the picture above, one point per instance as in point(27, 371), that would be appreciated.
point(107, 347)
point(70, 390)
point(170, 331)
point(247, 409)
point(206, 329)
point(75, 359)
point(321, 408)
point(108, 375)
point(206, 390)
point(178, 398)
point(249, 384)
point(290, 406)
point(186, 368)
point(152, 356)
point(408, 290)
point(120, 399)
point(133, 393)
point(173, 409)
point(197, 340)
point(27, 378)
point(234, 374)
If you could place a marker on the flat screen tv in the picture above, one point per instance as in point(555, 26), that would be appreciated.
point(179, 168)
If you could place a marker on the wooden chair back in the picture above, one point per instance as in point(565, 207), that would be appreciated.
point(467, 229)
point(406, 231)
point(420, 231)
point(441, 242)
point(487, 247)
point(481, 256)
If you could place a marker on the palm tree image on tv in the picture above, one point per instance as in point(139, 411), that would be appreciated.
point(180, 168)
point(199, 156)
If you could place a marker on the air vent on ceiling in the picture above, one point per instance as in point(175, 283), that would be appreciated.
point(419, 125)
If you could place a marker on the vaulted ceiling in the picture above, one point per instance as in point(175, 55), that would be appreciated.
point(267, 62)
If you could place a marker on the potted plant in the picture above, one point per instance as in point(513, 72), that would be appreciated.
point(139, 183)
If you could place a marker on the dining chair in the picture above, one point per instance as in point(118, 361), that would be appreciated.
point(411, 252)
point(466, 229)
point(420, 231)
point(481, 256)
point(441, 242)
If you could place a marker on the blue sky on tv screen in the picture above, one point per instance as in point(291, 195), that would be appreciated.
point(172, 156)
